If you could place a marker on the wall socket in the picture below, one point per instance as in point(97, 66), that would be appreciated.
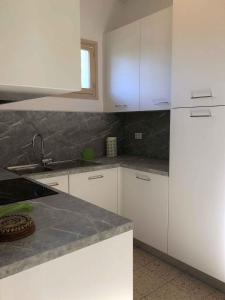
point(138, 136)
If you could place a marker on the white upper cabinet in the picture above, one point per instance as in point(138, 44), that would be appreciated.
point(122, 68)
point(138, 64)
point(198, 53)
point(40, 48)
point(155, 65)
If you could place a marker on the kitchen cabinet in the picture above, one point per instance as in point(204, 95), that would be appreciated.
point(155, 61)
point(40, 52)
point(98, 187)
point(197, 192)
point(198, 67)
point(100, 271)
point(60, 183)
point(144, 200)
point(138, 64)
point(122, 68)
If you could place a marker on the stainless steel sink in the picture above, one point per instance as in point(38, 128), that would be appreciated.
point(70, 164)
point(54, 166)
point(28, 169)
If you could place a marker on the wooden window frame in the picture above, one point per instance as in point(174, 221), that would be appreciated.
point(91, 93)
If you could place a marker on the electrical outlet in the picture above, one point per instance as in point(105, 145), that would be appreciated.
point(138, 136)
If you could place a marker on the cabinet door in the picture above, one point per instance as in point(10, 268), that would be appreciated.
point(41, 48)
point(145, 201)
point(155, 72)
point(198, 53)
point(122, 68)
point(197, 189)
point(98, 187)
point(60, 183)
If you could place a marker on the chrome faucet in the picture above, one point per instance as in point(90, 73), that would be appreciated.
point(44, 160)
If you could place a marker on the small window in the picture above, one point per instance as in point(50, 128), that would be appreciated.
point(89, 73)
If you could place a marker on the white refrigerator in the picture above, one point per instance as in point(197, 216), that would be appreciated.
point(197, 189)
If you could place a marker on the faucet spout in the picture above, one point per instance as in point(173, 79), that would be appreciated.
point(38, 135)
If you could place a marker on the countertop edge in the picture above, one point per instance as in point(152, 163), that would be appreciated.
point(44, 257)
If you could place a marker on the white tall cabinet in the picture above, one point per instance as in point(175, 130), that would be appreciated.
point(144, 200)
point(198, 68)
point(197, 189)
point(197, 147)
point(138, 64)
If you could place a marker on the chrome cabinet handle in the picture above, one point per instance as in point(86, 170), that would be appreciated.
point(143, 178)
point(159, 102)
point(95, 177)
point(200, 97)
point(206, 114)
point(120, 105)
point(201, 94)
point(53, 184)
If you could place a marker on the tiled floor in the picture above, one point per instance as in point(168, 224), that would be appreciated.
point(156, 280)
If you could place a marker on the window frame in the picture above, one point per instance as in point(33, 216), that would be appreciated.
point(91, 93)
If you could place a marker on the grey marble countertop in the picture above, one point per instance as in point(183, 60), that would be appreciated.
point(155, 166)
point(64, 224)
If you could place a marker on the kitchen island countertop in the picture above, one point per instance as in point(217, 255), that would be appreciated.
point(64, 224)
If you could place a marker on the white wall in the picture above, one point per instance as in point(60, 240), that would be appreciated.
point(97, 16)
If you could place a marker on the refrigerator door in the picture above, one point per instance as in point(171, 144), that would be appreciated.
point(197, 189)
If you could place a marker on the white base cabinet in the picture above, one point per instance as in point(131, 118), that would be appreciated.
point(98, 272)
point(98, 187)
point(145, 201)
point(60, 183)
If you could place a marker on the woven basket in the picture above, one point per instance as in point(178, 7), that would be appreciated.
point(15, 227)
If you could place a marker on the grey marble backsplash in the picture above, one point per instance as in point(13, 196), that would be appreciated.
point(155, 127)
point(67, 134)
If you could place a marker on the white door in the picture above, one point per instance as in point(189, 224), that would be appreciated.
point(122, 68)
point(98, 187)
point(197, 189)
point(60, 183)
point(145, 202)
point(155, 72)
point(198, 53)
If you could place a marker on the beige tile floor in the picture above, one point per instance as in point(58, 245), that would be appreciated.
point(157, 280)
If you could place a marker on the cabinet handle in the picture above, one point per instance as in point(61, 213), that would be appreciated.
point(206, 114)
point(201, 94)
point(143, 178)
point(95, 177)
point(120, 105)
point(161, 103)
point(53, 184)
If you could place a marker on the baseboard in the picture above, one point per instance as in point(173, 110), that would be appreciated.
point(213, 282)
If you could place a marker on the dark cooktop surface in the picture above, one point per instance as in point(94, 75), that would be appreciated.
point(21, 189)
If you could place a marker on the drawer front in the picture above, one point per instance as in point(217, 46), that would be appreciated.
point(99, 188)
point(59, 183)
